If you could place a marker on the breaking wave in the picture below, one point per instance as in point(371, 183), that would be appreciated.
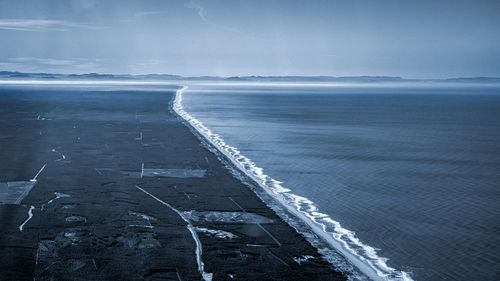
point(362, 256)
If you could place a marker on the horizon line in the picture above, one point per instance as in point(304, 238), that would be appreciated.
point(399, 78)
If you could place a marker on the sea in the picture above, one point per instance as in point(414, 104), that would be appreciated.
point(403, 180)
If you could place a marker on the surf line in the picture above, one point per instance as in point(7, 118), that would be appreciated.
point(199, 250)
point(362, 256)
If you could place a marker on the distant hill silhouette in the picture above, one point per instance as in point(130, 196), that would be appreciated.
point(14, 75)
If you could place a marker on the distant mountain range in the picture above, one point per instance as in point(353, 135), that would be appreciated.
point(14, 75)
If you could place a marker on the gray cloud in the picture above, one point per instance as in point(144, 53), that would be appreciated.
point(42, 25)
point(84, 4)
point(201, 10)
point(241, 37)
point(148, 13)
point(41, 61)
point(50, 65)
point(201, 13)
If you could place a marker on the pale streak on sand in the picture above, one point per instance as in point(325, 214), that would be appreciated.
point(25, 192)
point(37, 174)
point(63, 157)
point(30, 211)
point(178, 275)
point(217, 233)
point(276, 257)
point(30, 215)
point(258, 224)
point(36, 261)
point(58, 195)
point(139, 138)
point(143, 216)
point(201, 266)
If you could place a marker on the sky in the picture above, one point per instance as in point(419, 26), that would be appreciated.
point(412, 39)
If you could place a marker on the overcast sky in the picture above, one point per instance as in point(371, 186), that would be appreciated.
point(415, 39)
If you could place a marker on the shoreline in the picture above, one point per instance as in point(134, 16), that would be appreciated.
point(374, 268)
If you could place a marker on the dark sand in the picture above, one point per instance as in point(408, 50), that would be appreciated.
point(101, 226)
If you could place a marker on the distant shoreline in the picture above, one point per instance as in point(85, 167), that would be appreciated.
point(14, 75)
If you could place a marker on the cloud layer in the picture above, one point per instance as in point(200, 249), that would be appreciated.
point(421, 39)
point(37, 25)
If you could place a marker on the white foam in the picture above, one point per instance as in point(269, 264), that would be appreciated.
point(363, 256)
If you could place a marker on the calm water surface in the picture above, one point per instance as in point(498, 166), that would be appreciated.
point(414, 172)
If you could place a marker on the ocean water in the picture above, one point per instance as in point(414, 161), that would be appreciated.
point(405, 180)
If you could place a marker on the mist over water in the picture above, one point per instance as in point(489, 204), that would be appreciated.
point(412, 171)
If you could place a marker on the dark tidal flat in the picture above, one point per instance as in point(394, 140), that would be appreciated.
point(123, 177)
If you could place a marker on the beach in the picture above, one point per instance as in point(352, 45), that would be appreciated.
point(111, 184)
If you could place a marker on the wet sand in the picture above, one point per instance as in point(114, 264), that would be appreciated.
point(129, 192)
